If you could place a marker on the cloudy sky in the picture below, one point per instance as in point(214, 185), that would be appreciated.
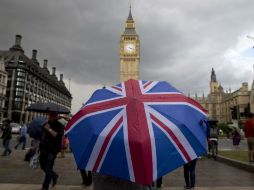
point(181, 40)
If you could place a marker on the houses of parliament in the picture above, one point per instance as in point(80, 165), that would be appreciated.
point(228, 105)
point(222, 105)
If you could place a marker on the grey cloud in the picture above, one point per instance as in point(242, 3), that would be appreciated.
point(180, 40)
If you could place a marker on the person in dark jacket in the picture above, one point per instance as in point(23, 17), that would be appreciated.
point(6, 137)
point(50, 145)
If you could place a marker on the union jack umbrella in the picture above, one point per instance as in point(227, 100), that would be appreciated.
point(137, 130)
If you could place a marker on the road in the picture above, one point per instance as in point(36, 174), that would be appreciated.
point(209, 172)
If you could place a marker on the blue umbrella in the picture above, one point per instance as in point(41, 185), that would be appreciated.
point(35, 129)
point(137, 130)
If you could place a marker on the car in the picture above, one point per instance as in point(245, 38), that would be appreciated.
point(15, 128)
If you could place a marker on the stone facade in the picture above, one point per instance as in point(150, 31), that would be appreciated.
point(129, 51)
point(3, 86)
point(227, 106)
point(28, 82)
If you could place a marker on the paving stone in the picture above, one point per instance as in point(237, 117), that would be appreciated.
point(209, 174)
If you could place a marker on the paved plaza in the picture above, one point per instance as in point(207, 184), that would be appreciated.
point(210, 174)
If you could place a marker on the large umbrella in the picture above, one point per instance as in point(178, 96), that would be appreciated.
point(47, 107)
point(137, 130)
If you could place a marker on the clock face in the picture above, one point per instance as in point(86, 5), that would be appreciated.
point(129, 48)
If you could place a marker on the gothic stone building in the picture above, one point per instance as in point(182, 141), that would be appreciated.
point(28, 83)
point(129, 51)
point(227, 106)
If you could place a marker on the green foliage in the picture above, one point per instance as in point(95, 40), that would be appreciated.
point(240, 124)
point(224, 127)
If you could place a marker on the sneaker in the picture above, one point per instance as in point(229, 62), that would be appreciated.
point(54, 180)
point(160, 186)
point(85, 185)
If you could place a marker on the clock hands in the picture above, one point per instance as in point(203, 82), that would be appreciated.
point(129, 47)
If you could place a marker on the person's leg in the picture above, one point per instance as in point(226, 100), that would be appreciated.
point(50, 159)
point(159, 182)
point(249, 149)
point(24, 143)
point(54, 178)
point(7, 147)
point(186, 175)
point(43, 161)
point(192, 173)
point(84, 176)
point(252, 149)
point(17, 145)
point(89, 178)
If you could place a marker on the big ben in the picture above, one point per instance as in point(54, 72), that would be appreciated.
point(129, 51)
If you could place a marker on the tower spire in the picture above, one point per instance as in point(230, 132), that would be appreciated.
point(213, 76)
point(130, 15)
point(130, 24)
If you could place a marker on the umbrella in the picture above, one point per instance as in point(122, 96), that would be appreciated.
point(35, 129)
point(137, 130)
point(47, 107)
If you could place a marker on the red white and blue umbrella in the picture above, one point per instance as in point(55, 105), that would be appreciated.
point(137, 130)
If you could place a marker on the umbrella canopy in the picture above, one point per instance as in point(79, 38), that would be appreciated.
point(35, 129)
point(48, 107)
point(137, 130)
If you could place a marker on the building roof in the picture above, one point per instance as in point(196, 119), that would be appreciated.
point(15, 57)
point(130, 26)
point(130, 31)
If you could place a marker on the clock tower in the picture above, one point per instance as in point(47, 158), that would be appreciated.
point(129, 51)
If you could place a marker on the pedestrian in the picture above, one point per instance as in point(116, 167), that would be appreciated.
point(50, 145)
point(236, 137)
point(6, 137)
point(86, 177)
point(159, 183)
point(22, 136)
point(249, 134)
point(189, 174)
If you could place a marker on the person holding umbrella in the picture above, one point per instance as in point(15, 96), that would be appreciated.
point(50, 145)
